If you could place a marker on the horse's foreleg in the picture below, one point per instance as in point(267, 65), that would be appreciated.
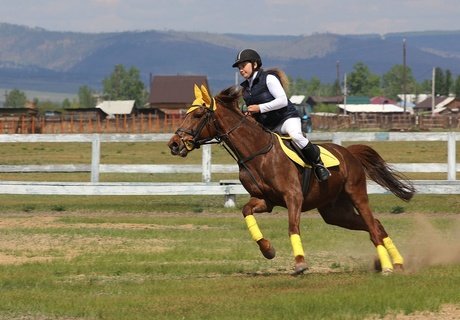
point(299, 254)
point(296, 241)
point(258, 205)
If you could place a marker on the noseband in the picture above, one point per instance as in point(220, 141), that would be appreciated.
point(195, 142)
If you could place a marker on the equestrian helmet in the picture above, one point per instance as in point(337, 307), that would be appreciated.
point(247, 55)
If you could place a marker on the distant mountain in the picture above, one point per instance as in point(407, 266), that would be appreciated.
point(37, 59)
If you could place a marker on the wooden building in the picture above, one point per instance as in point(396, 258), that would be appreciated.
point(172, 95)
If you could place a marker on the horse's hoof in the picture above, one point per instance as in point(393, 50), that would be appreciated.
point(398, 267)
point(266, 248)
point(299, 268)
point(387, 272)
point(269, 253)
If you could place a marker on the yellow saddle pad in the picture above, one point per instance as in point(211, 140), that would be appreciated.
point(328, 158)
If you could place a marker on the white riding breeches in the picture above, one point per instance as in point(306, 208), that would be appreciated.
point(293, 127)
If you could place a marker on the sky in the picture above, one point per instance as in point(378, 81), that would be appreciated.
point(252, 17)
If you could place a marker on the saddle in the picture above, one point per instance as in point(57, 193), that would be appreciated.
point(295, 154)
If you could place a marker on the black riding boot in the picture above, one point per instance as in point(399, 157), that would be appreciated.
point(312, 155)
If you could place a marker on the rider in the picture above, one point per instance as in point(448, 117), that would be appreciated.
point(266, 100)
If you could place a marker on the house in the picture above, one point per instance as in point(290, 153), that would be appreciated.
point(299, 102)
point(413, 99)
point(382, 100)
point(358, 100)
point(440, 105)
point(316, 100)
point(112, 108)
point(83, 113)
point(371, 108)
point(172, 95)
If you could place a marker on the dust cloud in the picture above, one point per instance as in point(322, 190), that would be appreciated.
point(431, 246)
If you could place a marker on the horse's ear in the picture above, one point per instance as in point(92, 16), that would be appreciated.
point(197, 91)
point(206, 96)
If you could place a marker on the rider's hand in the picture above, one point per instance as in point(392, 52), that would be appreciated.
point(253, 108)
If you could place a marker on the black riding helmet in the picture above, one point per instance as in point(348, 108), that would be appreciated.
point(247, 55)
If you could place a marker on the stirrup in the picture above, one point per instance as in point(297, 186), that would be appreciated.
point(321, 172)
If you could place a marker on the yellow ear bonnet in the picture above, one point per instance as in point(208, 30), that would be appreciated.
point(202, 99)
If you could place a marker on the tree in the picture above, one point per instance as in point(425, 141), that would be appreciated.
point(86, 97)
point(448, 83)
point(66, 103)
point(362, 82)
point(439, 81)
point(393, 82)
point(314, 87)
point(457, 87)
point(124, 84)
point(15, 98)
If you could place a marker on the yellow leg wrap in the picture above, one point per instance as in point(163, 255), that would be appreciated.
point(251, 222)
point(384, 258)
point(297, 245)
point(394, 253)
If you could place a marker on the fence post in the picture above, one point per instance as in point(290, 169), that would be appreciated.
point(336, 139)
point(451, 161)
point(95, 157)
point(206, 162)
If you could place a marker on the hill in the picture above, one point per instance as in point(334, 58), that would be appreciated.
point(38, 59)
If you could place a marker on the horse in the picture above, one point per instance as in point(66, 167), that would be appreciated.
point(272, 179)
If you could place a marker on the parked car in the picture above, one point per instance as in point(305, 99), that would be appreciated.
point(307, 126)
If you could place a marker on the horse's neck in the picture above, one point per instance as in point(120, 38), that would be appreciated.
point(244, 137)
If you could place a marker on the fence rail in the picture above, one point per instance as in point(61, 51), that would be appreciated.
point(94, 187)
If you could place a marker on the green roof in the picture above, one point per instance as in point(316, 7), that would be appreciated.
point(358, 100)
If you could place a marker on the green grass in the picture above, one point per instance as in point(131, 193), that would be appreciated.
point(205, 266)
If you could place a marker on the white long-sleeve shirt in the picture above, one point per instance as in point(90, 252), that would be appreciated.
point(276, 90)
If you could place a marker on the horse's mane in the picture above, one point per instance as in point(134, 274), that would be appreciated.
point(229, 97)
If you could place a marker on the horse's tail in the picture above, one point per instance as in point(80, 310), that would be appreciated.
point(381, 172)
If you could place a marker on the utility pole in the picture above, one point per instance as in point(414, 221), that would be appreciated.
point(345, 93)
point(337, 66)
point(404, 73)
point(432, 90)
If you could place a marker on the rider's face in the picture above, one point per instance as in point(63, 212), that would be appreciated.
point(245, 69)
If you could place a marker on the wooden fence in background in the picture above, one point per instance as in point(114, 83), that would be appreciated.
point(148, 123)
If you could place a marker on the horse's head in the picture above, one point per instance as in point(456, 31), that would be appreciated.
point(198, 126)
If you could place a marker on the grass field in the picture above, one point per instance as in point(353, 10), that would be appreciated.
point(183, 257)
point(205, 266)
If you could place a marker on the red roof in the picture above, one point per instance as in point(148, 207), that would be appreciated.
point(175, 89)
point(382, 100)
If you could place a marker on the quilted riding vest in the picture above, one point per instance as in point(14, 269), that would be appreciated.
point(258, 94)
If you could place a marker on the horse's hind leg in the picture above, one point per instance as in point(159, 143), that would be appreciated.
point(387, 252)
point(398, 261)
point(342, 213)
point(255, 205)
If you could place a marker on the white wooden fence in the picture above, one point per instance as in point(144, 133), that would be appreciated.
point(206, 187)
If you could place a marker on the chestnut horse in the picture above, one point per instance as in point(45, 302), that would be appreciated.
point(272, 179)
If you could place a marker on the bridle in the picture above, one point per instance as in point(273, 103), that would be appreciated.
point(222, 138)
point(195, 142)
